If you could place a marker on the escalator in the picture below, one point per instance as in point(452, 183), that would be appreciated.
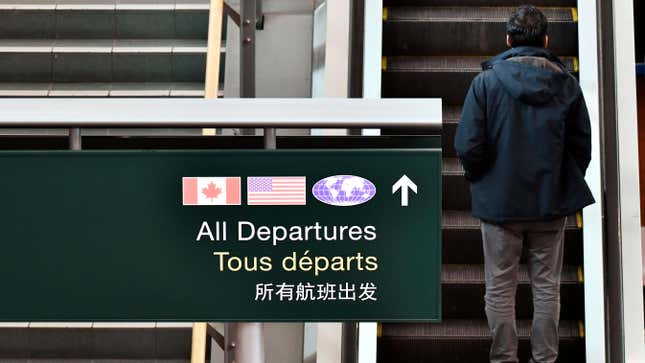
point(432, 48)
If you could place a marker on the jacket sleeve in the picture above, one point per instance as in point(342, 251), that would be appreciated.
point(470, 140)
point(578, 134)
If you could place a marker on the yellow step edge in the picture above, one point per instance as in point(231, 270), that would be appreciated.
point(385, 14)
point(581, 275)
point(576, 65)
point(379, 330)
point(384, 63)
point(574, 14)
point(581, 329)
point(579, 219)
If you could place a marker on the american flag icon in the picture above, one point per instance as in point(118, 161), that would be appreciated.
point(276, 190)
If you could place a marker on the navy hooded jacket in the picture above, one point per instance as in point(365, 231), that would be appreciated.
point(524, 139)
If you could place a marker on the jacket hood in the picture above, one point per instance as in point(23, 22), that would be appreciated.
point(529, 74)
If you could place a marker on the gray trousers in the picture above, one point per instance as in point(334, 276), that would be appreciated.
point(502, 250)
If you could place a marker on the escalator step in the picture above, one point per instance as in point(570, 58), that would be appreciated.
point(468, 14)
point(462, 240)
point(409, 30)
point(474, 274)
point(451, 117)
point(463, 220)
point(463, 290)
point(465, 64)
point(478, 2)
point(463, 340)
point(467, 330)
point(445, 77)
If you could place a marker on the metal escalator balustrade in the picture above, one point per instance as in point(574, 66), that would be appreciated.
point(432, 48)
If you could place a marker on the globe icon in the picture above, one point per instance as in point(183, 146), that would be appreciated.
point(344, 190)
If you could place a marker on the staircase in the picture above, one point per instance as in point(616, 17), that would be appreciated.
point(103, 48)
point(432, 48)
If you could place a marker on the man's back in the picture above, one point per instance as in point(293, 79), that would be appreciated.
point(524, 139)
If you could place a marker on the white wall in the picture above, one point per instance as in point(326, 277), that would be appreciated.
point(282, 51)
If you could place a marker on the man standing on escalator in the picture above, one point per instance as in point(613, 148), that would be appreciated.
point(524, 141)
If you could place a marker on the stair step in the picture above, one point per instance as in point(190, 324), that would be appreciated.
point(104, 60)
point(103, 341)
point(104, 19)
point(105, 89)
point(445, 77)
point(410, 30)
point(104, 46)
point(103, 4)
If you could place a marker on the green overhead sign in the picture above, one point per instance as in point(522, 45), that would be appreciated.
point(293, 235)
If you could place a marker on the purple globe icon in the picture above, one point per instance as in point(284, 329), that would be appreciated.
point(344, 190)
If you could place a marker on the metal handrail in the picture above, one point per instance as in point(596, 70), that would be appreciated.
point(232, 113)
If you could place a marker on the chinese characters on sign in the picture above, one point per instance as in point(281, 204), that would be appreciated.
point(316, 292)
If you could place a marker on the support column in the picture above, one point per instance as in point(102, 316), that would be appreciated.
point(331, 50)
point(247, 48)
point(372, 54)
point(248, 19)
point(250, 344)
point(372, 62)
point(75, 142)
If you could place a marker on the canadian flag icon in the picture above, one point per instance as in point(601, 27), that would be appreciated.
point(211, 190)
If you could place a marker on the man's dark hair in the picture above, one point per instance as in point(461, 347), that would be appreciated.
point(527, 26)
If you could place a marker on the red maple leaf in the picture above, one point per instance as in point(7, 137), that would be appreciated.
point(212, 191)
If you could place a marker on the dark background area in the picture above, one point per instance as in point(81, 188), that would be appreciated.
point(639, 18)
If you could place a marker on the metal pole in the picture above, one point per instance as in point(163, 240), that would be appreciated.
point(622, 220)
point(259, 13)
point(230, 341)
point(350, 343)
point(247, 48)
point(248, 20)
point(75, 139)
point(248, 342)
point(270, 138)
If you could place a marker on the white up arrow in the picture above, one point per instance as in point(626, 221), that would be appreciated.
point(404, 184)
